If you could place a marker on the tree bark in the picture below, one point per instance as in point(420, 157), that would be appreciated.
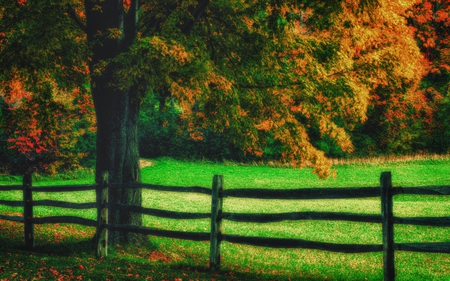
point(117, 111)
point(110, 31)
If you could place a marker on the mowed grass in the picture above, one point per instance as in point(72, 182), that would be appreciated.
point(66, 252)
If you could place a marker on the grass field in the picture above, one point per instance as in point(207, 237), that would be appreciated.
point(66, 252)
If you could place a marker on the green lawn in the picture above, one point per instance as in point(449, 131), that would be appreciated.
point(65, 251)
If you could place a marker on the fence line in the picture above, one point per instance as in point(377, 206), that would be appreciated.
point(217, 215)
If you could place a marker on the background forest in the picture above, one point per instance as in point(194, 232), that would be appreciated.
point(47, 128)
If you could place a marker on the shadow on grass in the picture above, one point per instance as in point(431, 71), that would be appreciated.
point(65, 252)
point(76, 260)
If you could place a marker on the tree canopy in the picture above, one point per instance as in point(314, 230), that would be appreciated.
point(250, 70)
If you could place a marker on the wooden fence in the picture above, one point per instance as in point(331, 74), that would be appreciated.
point(217, 215)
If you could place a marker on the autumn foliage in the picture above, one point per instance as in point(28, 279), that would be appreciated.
point(293, 81)
point(44, 128)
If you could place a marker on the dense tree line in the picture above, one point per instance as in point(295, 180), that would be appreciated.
point(51, 129)
point(401, 118)
point(56, 131)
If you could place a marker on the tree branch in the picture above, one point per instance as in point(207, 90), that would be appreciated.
point(152, 22)
point(196, 13)
point(74, 16)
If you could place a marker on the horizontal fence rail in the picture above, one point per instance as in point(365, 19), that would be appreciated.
point(65, 219)
point(28, 203)
point(300, 243)
point(12, 218)
point(385, 191)
point(190, 189)
point(11, 203)
point(160, 213)
point(304, 193)
point(194, 236)
point(329, 216)
point(10, 187)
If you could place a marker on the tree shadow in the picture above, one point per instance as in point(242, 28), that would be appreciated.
point(124, 262)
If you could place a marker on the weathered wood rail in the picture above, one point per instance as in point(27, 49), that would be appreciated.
point(385, 191)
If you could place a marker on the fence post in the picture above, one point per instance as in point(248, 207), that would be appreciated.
point(387, 226)
point(216, 222)
point(102, 216)
point(28, 211)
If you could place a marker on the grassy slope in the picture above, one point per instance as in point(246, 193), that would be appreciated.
point(170, 259)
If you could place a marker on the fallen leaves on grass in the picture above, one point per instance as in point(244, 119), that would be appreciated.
point(159, 256)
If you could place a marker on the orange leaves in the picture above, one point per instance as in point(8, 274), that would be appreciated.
point(159, 256)
point(170, 49)
point(443, 16)
point(254, 151)
point(265, 125)
point(195, 133)
point(42, 126)
point(114, 33)
point(249, 22)
point(126, 4)
point(429, 43)
point(14, 93)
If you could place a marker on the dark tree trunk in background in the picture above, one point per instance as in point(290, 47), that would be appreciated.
point(110, 32)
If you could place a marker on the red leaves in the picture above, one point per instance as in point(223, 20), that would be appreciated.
point(159, 256)
point(53, 272)
point(126, 4)
point(431, 22)
point(442, 16)
point(16, 93)
point(42, 127)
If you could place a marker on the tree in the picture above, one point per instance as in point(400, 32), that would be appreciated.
point(42, 87)
point(251, 70)
point(390, 59)
point(430, 21)
point(40, 129)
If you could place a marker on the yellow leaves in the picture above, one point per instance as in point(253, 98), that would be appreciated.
point(13, 92)
point(170, 49)
point(114, 33)
point(249, 22)
point(265, 125)
point(179, 54)
point(219, 82)
point(186, 94)
point(322, 165)
point(100, 67)
point(241, 111)
point(327, 126)
point(97, 8)
point(380, 48)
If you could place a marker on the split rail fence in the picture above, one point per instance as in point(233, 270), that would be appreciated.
point(217, 215)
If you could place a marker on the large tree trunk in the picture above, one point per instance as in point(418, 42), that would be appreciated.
point(110, 32)
point(117, 112)
point(117, 153)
